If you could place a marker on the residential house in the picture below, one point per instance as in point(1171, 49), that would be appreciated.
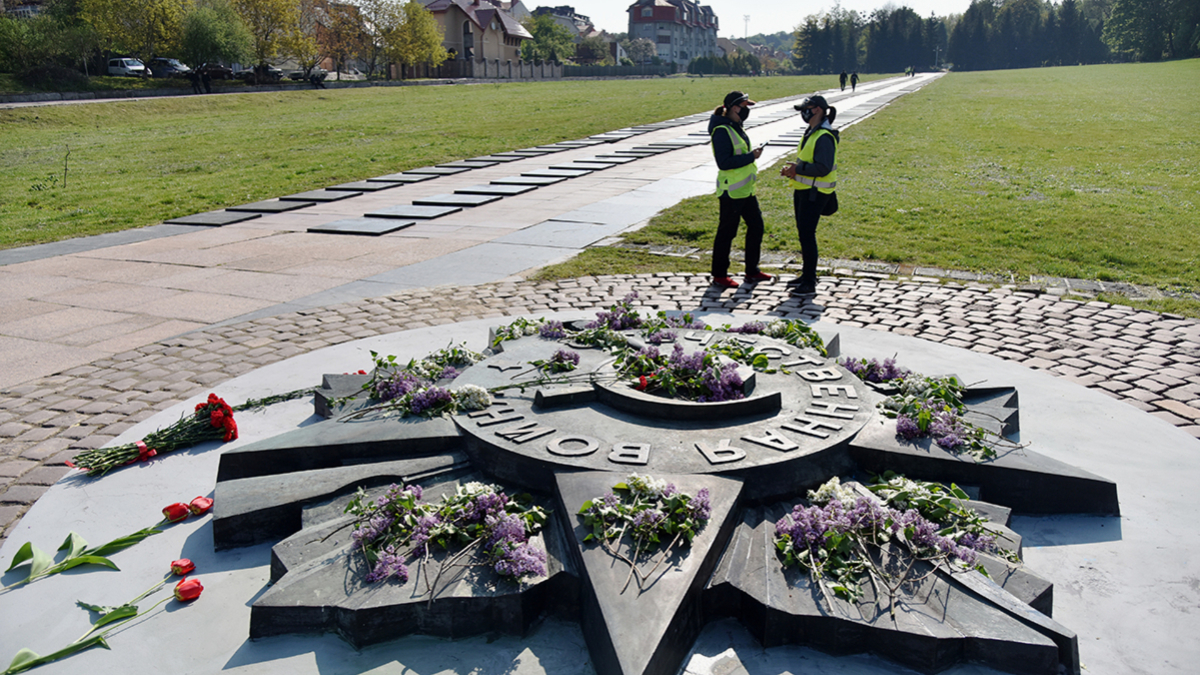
point(478, 30)
point(681, 29)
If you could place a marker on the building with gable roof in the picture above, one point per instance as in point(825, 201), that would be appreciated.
point(478, 30)
point(681, 29)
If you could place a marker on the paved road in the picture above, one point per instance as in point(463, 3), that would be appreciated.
point(97, 334)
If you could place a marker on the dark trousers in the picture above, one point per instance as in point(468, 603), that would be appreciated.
point(732, 212)
point(808, 204)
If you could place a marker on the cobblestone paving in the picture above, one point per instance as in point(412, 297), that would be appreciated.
point(1149, 360)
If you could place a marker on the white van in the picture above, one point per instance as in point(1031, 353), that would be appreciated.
point(127, 68)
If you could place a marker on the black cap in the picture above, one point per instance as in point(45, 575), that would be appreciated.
point(736, 97)
point(814, 101)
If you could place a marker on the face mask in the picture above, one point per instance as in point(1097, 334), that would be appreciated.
point(806, 114)
point(744, 113)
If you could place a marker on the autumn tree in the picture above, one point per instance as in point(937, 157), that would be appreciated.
point(345, 37)
point(152, 28)
point(303, 42)
point(271, 22)
point(412, 35)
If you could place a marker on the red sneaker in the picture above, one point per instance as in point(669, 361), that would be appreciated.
point(724, 282)
point(757, 277)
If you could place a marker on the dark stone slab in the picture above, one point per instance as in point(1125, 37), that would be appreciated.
point(942, 620)
point(645, 150)
point(1021, 582)
point(582, 165)
point(367, 186)
point(270, 206)
point(214, 218)
point(528, 180)
point(320, 588)
point(437, 170)
point(557, 173)
point(406, 211)
point(321, 196)
point(1022, 480)
point(456, 199)
point(522, 154)
point(332, 444)
point(335, 386)
point(501, 190)
point(610, 159)
point(501, 158)
point(251, 511)
point(645, 629)
point(471, 163)
point(371, 227)
point(402, 177)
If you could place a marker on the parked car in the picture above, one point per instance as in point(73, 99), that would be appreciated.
point(260, 74)
point(164, 67)
point(215, 71)
point(127, 68)
point(299, 74)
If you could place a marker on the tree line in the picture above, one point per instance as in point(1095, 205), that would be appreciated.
point(73, 36)
point(999, 34)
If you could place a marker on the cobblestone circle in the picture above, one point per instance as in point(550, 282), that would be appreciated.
point(1148, 360)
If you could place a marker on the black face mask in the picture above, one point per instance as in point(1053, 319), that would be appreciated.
point(807, 114)
point(745, 112)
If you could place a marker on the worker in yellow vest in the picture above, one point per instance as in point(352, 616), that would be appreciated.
point(736, 176)
point(813, 176)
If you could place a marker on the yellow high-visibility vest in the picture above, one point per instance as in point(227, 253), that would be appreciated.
point(824, 183)
point(739, 182)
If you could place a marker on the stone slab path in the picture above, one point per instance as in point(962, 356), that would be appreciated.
point(99, 334)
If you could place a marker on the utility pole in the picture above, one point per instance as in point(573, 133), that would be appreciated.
point(746, 30)
point(937, 51)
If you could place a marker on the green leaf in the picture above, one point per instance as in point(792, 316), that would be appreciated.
point(74, 544)
point(119, 614)
point(586, 506)
point(88, 560)
point(125, 542)
point(23, 554)
point(40, 563)
point(24, 659)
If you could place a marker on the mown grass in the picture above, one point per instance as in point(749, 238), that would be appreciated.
point(1087, 172)
point(137, 163)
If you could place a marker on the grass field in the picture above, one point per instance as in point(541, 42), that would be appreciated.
point(1089, 172)
point(137, 163)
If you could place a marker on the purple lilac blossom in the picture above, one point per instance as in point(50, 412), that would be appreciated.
point(485, 504)
point(449, 373)
point(750, 328)
point(522, 560)
point(682, 361)
point(565, 356)
point(681, 321)
point(701, 506)
point(397, 385)
point(552, 330)
point(430, 398)
point(505, 529)
point(723, 384)
point(620, 317)
point(660, 336)
point(907, 428)
point(388, 565)
point(425, 524)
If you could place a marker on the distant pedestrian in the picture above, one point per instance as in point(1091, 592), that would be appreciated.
point(207, 80)
point(842, 80)
point(317, 80)
point(813, 177)
point(194, 78)
point(853, 81)
point(736, 176)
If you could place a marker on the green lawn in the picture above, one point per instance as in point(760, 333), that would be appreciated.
point(1089, 172)
point(137, 163)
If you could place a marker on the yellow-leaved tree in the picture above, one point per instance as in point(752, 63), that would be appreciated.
point(271, 24)
point(150, 29)
point(411, 35)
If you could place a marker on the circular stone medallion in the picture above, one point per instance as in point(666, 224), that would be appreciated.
point(789, 432)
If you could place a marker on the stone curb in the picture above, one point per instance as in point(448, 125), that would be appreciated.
point(1149, 360)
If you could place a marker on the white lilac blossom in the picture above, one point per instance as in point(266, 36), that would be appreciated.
point(472, 397)
point(832, 489)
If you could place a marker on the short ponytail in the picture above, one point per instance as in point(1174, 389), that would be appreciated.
point(830, 114)
point(720, 111)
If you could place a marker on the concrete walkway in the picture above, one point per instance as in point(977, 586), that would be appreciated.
point(98, 334)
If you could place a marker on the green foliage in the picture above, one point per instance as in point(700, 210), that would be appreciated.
point(412, 36)
point(153, 28)
point(551, 40)
point(213, 32)
point(41, 564)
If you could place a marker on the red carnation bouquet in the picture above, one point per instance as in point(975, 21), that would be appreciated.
point(212, 420)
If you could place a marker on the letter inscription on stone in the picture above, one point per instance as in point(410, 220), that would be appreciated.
point(556, 446)
point(820, 390)
point(702, 337)
point(630, 453)
point(495, 414)
point(803, 359)
point(722, 454)
point(812, 428)
point(525, 432)
point(820, 374)
point(838, 410)
point(774, 440)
